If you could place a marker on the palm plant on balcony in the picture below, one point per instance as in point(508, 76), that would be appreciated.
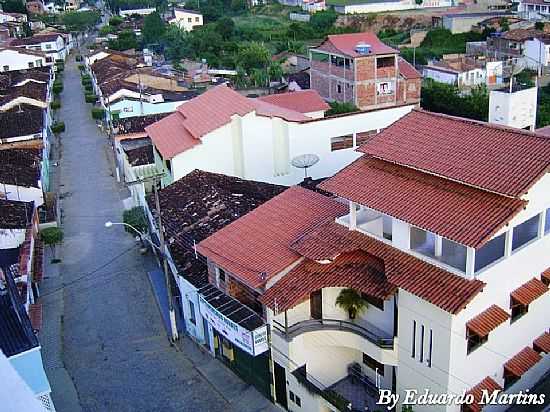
point(351, 301)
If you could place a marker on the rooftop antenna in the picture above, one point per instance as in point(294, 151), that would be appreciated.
point(304, 161)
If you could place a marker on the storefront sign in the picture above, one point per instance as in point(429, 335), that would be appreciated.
point(254, 342)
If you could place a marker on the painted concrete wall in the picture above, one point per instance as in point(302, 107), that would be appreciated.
point(537, 53)
point(132, 108)
point(29, 366)
point(13, 60)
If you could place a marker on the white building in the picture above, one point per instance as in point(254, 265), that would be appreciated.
point(186, 19)
point(516, 108)
point(53, 44)
point(223, 132)
point(356, 7)
point(141, 12)
point(537, 51)
point(14, 58)
point(464, 72)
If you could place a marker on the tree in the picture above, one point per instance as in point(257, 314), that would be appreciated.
point(504, 24)
point(13, 6)
point(58, 127)
point(175, 42)
point(351, 301)
point(341, 108)
point(126, 40)
point(225, 27)
point(135, 217)
point(323, 20)
point(52, 236)
point(153, 28)
point(539, 25)
point(116, 21)
point(275, 72)
point(238, 5)
point(80, 21)
point(253, 56)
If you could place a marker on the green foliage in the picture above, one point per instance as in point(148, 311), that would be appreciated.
point(504, 24)
point(98, 113)
point(238, 5)
point(539, 25)
point(80, 21)
point(88, 89)
point(351, 301)
point(253, 56)
point(225, 27)
point(419, 2)
point(126, 40)
point(81, 67)
point(153, 28)
point(58, 127)
point(107, 29)
point(322, 21)
point(55, 105)
point(90, 98)
point(115, 21)
point(543, 107)
point(13, 6)
point(57, 88)
point(525, 78)
point(135, 217)
point(341, 108)
point(51, 236)
point(445, 98)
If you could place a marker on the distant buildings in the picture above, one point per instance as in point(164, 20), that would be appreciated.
point(16, 58)
point(54, 45)
point(358, 68)
point(464, 71)
point(186, 19)
point(377, 6)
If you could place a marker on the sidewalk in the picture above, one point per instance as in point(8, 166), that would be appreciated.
point(64, 395)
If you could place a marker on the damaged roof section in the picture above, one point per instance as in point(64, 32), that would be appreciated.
point(15, 214)
point(200, 204)
point(139, 152)
point(20, 167)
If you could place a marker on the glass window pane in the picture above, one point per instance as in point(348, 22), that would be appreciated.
point(490, 252)
point(422, 241)
point(547, 221)
point(454, 254)
point(525, 232)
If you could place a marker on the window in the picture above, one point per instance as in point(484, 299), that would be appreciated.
point(189, 20)
point(298, 401)
point(422, 241)
point(413, 349)
point(291, 395)
point(192, 318)
point(453, 254)
point(525, 232)
point(339, 88)
point(48, 46)
point(547, 221)
point(38, 63)
point(384, 88)
point(196, 19)
point(422, 344)
point(31, 65)
point(474, 340)
point(430, 349)
point(168, 164)
point(6, 68)
point(382, 62)
point(320, 57)
point(221, 275)
point(518, 309)
point(412, 87)
point(341, 142)
point(376, 302)
point(490, 252)
point(373, 364)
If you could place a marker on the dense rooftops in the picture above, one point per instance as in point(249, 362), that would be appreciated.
point(15, 214)
point(20, 167)
point(201, 203)
point(23, 120)
point(494, 158)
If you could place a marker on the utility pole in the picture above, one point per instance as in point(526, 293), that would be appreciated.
point(163, 254)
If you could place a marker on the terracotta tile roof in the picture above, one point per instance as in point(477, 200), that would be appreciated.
point(443, 289)
point(302, 101)
point(522, 362)
point(407, 70)
point(545, 131)
point(36, 39)
point(15, 214)
point(20, 167)
point(487, 385)
point(487, 320)
point(357, 270)
point(32, 90)
point(211, 110)
point(346, 43)
point(198, 205)
point(23, 120)
point(35, 315)
point(530, 291)
point(455, 211)
point(521, 34)
point(136, 124)
point(542, 343)
point(545, 276)
point(256, 247)
point(38, 261)
point(498, 159)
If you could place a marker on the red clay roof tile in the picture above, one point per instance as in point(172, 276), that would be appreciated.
point(407, 70)
point(346, 43)
point(170, 136)
point(357, 270)
point(457, 212)
point(495, 158)
point(303, 101)
point(443, 289)
point(529, 291)
point(487, 320)
point(522, 362)
point(545, 276)
point(255, 247)
point(487, 385)
point(35, 315)
point(542, 343)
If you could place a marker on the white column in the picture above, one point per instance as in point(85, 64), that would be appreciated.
point(352, 216)
point(508, 243)
point(438, 246)
point(470, 261)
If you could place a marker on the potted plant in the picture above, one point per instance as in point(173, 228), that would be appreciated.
point(351, 301)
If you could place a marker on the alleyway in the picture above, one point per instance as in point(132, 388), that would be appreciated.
point(114, 346)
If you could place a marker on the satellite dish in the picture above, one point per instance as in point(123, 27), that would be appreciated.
point(304, 161)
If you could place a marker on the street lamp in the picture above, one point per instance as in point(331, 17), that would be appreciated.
point(172, 313)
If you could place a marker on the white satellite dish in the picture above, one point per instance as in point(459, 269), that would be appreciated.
point(304, 161)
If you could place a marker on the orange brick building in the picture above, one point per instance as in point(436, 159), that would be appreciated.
point(360, 69)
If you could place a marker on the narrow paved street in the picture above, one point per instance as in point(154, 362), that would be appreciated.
point(114, 344)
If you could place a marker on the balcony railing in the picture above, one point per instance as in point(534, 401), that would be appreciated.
point(364, 330)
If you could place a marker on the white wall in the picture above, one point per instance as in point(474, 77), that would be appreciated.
point(24, 194)
point(16, 60)
point(133, 108)
point(439, 76)
point(181, 19)
point(516, 109)
point(11, 238)
point(537, 53)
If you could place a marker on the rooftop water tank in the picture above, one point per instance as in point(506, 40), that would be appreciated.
point(363, 48)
